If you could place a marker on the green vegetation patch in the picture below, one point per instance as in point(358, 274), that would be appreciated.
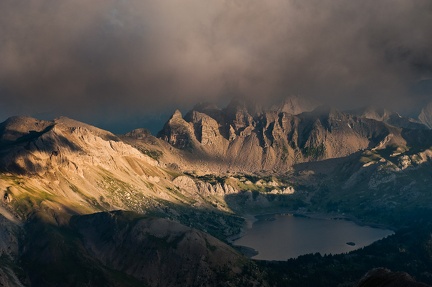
point(314, 152)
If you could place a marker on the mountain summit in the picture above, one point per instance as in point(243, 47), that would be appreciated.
point(426, 115)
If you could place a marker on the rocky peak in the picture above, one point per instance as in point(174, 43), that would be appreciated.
point(177, 131)
point(206, 108)
point(295, 105)
point(177, 115)
point(373, 112)
point(206, 128)
point(426, 115)
point(327, 115)
point(139, 134)
point(21, 127)
point(209, 109)
point(389, 117)
point(237, 115)
point(80, 127)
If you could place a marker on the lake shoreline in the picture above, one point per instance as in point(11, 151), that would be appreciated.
point(251, 219)
point(317, 215)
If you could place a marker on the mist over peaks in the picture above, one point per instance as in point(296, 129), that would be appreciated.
point(109, 61)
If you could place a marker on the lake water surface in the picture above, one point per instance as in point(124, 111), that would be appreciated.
point(289, 236)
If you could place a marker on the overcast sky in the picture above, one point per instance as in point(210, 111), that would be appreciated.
point(117, 63)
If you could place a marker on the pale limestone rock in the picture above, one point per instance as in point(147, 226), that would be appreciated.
point(288, 190)
point(185, 182)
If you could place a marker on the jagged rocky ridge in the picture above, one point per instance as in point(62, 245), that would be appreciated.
point(242, 138)
point(389, 117)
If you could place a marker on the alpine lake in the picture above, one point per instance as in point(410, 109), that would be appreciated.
point(284, 236)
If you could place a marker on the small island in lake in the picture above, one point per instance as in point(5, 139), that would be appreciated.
point(351, 243)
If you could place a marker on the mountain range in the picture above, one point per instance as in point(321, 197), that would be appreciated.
point(142, 209)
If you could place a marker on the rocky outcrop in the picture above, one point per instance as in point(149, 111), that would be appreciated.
point(185, 182)
point(220, 189)
point(207, 131)
point(426, 115)
point(178, 132)
point(203, 187)
point(139, 134)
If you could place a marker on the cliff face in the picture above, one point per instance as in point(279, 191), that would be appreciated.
point(426, 115)
point(246, 139)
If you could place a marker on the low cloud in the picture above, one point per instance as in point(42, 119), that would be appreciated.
point(95, 58)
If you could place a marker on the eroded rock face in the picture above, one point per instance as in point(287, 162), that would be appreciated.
point(207, 131)
point(185, 182)
point(178, 132)
point(247, 139)
point(203, 187)
point(215, 189)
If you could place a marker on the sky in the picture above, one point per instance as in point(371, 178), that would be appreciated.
point(123, 64)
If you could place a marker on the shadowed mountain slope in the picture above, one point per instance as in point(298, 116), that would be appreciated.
point(126, 249)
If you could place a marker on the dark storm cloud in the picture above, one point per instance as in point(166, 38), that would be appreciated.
point(99, 58)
